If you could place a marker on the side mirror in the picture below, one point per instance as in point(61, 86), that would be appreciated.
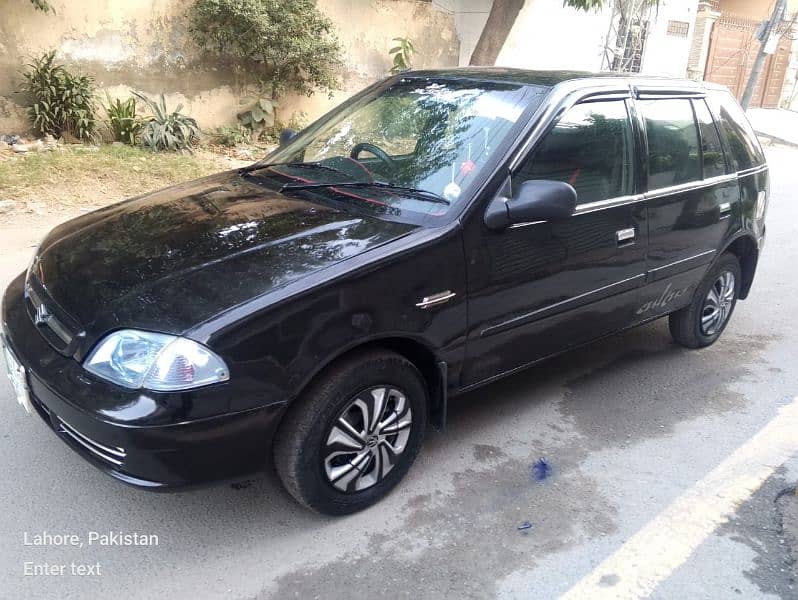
point(536, 200)
point(286, 135)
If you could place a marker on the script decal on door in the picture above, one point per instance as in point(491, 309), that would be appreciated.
point(666, 297)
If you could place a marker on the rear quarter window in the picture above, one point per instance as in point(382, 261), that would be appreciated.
point(744, 149)
point(713, 159)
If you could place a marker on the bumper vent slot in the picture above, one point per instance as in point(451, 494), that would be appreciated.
point(110, 454)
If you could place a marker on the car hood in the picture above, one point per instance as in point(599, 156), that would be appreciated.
point(172, 259)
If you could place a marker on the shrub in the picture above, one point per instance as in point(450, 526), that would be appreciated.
point(231, 136)
point(122, 120)
point(166, 130)
point(259, 115)
point(62, 102)
point(287, 44)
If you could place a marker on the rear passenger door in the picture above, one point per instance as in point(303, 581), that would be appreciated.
point(692, 200)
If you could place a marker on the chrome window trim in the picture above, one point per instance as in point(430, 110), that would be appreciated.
point(589, 207)
point(526, 224)
point(752, 171)
point(653, 194)
point(690, 185)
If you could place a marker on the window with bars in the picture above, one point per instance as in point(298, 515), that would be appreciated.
point(678, 28)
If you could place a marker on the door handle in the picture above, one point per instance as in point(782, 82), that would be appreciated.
point(435, 299)
point(725, 208)
point(625, 237)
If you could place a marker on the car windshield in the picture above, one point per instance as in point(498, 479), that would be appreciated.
point(424, 143)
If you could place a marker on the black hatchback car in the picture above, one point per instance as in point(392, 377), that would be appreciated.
point(439, 230)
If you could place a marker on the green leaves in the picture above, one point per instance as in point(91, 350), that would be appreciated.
point(122, 120)
point(402, 54)
point(43, 6)
point(167, 130)
point(584, 5)
point(288, 43)
point(60, 101)
point(260, 113)
point(231, 136)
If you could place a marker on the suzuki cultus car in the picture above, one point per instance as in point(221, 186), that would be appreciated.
point(438, 231)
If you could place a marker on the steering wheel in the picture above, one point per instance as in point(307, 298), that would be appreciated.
point(376, 151)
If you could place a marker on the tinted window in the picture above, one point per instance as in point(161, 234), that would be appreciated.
point(673, 156)
point(744, 149)
point(711, 150)
point(590, 148)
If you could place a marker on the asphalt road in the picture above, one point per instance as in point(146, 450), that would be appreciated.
point(670, 476)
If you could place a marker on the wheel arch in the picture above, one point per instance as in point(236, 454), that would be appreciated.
point(746, 250)
point(418, 352)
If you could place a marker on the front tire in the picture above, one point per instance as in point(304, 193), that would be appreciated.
point(353, 434)
point(701, 322)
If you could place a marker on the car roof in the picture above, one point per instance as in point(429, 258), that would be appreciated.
point(553, 78)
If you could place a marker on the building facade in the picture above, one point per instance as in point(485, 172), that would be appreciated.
point(144, 45)
point(699, 39)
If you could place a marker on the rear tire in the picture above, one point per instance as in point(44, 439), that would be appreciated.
point(353, 434)
point(701, 322)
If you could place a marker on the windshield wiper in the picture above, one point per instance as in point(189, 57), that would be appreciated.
point(411, 191)
point(300, 165)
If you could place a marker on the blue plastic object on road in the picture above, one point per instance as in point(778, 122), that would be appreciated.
point(540, 469)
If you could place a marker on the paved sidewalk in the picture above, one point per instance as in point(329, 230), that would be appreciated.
point(778, 124)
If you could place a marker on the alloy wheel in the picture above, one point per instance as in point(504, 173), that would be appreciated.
point(718, 304)
point(367, 439)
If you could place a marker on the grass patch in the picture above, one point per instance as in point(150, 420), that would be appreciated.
point(93, 175)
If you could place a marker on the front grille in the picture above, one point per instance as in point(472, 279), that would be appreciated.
point(56, 328)
point(109, 454)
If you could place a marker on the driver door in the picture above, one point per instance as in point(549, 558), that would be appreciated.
point(536, 289)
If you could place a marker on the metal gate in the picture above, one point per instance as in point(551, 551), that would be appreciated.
point(732, 50)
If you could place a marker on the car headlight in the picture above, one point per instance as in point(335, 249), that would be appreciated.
point(155, 361)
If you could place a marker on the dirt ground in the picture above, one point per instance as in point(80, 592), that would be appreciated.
point(44, 189)
point(71, 180)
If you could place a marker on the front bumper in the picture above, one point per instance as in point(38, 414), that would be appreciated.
point(149, 440)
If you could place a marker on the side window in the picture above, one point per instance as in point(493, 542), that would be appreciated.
point(744, 148)
point(673, 156)
point(711, 150)
point(590, 147)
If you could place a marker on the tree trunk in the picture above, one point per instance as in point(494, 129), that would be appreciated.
point(500, 21)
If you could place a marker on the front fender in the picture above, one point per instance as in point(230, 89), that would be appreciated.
point(274, 352)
